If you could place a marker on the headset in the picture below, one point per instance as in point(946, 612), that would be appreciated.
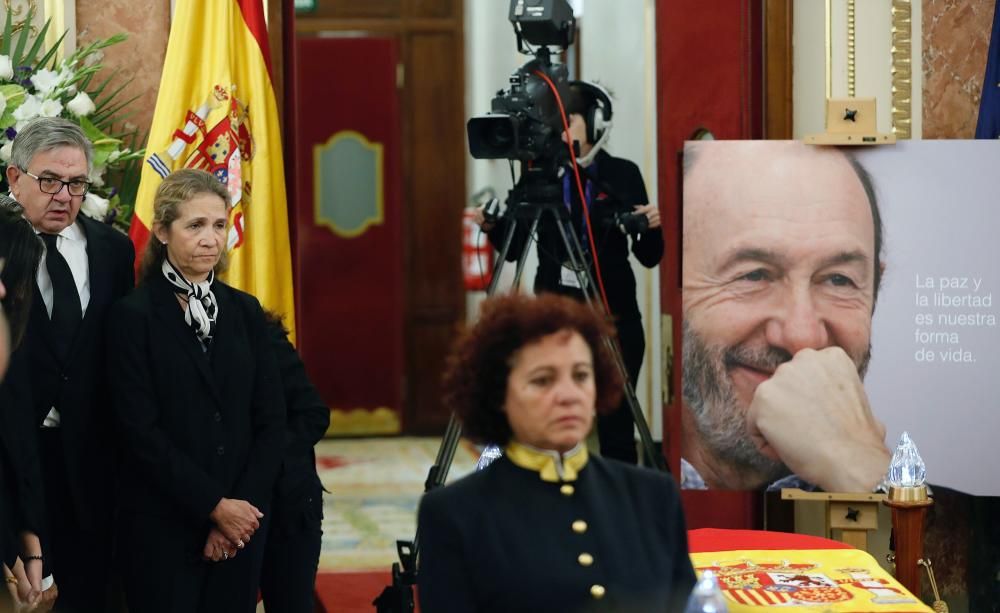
point(598, 113)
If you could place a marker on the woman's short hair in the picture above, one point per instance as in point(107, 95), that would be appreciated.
point(179, 187)
point(475, 379)
point(22, 250)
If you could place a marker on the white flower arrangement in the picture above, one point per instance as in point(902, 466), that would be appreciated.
point(34, 83)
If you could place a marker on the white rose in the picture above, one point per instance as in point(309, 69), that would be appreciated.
point(5, 151)
point(45, 81)
point(81, 105)
point(94, 206)
point(51, 108)
point(6, 68)
point(97, 176)
point(28, 110)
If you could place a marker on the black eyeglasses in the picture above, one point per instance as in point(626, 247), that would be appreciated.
point(52, 185)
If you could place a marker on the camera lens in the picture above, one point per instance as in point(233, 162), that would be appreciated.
point(493, 136)
point(502, 135)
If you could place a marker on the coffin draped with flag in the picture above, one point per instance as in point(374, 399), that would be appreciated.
point(216, 111)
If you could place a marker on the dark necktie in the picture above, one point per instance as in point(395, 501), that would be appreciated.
point(66, 309)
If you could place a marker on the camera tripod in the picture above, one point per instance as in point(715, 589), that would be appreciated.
point(529, 204)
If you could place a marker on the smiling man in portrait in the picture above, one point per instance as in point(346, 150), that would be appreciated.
point(781, 269)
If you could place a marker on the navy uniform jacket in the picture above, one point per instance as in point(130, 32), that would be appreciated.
point(505, 540)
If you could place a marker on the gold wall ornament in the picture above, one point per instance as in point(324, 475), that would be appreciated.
point(902, 68)
point(828, 41)
point(850, 48)
point(19, 10)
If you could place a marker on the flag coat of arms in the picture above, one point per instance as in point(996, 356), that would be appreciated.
point(805, 580)
point(216, 111)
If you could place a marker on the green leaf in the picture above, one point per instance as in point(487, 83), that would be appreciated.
point(92, 131)
point(29, 58)
point(22, 38)
point(8, 27)
point(50, 54)
point(94, 93)
point(14, 94)
point(108, 98)
point(108, 115)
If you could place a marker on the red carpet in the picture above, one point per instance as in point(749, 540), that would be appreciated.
point(351, 592)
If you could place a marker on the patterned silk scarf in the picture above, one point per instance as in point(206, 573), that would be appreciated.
point(202, 308)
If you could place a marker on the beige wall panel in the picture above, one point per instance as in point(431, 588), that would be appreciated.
point(956, 37)
point(147, 23)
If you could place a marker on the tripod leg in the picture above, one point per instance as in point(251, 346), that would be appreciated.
point(502, 257)
point(524, 252)
point(579, 263)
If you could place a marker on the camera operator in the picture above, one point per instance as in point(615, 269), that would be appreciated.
point(621, 220)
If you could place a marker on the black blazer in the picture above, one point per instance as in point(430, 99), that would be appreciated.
point(617, 186)
point(22, 501)
point(78, 389)
point(195, 426)
point(308, 419)
point(504, 540)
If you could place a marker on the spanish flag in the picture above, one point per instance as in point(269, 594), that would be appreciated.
point(216, 111)
point(757, 570)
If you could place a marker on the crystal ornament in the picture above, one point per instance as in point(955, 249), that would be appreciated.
point(907, 468)
point(706, 597)
point(489, 455)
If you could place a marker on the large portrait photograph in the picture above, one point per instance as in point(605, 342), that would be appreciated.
point(834, 298)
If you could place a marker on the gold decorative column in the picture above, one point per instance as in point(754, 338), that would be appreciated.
point(850, 48)
point(902, 68)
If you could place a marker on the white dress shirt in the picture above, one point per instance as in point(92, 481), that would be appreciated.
point(72, 244)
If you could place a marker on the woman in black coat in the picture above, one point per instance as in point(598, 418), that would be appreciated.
point(21, 493)
point(294, 530)
point(547, 527)
point(200, 408)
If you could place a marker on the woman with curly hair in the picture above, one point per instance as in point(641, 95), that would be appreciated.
point(547, 527)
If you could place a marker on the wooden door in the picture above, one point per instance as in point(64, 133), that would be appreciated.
point(348, 218)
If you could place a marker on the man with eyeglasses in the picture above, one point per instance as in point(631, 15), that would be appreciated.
point(85, 268)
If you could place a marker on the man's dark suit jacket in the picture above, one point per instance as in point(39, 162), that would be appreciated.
point(196, 426)
point(504, 540)
point(78, 389)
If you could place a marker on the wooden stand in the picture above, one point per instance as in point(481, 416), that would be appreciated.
point(909, 507)
point(850, 121)
point(853, 515)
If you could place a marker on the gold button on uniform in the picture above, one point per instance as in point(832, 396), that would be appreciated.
point(566, 489)
point(597, 591)
point(585, 559)
point(579, 526)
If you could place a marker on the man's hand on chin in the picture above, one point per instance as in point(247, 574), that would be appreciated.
point(813, 415)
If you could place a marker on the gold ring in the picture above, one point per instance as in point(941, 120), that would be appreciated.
point(11, 580)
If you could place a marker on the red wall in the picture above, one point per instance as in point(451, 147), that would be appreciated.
point(708, 58)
